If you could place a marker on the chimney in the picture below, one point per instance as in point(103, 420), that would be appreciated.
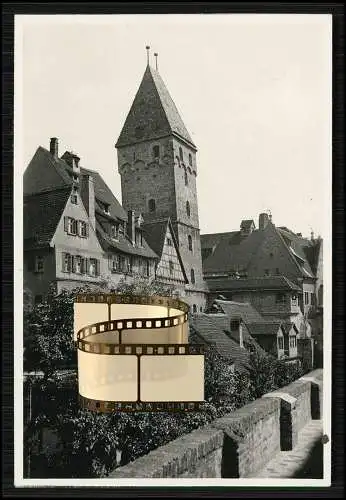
point(263, 221)
point(131, 226)
point(88, 197)
point(54, 147)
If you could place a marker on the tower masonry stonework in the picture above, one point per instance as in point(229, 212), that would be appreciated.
point(157, 165)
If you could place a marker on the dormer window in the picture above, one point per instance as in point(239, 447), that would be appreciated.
point(114, 232)
point(156, 152)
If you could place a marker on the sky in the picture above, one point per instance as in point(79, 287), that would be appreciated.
point(254, 92)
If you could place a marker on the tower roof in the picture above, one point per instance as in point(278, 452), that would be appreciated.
point(153, 113)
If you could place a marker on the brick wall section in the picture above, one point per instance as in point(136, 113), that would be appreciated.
point(239, 444)
point(197, 454)
point(252, 437)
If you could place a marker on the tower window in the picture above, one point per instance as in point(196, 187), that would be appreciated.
point(186, 178)
point(189, 239)
point(156, 151)
point(193, 276)
point(190, 159)
point(181, 156)
point(188, 211)
point(152, 205)
point(171, 267)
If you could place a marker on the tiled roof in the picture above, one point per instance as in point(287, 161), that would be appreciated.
point(234, 253)
point(260, 283)
point(45, 172)
point(42, 213)
point(264, 328)
point(211, 329)
point(212, 239)
point(123, 244)
point(155, 234)
point(153, 113)
point(301, 248)
point(243, 309)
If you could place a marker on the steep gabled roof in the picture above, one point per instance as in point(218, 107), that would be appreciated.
point(42, 213)
point(302, 249)
point(234, 253)
point(253, 284)
point(154, 232)
point(45, 172)
point(153, 113)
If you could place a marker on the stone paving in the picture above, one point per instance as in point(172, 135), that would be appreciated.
point(289, 464)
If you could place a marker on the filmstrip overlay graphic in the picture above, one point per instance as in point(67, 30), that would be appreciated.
point(134, 355)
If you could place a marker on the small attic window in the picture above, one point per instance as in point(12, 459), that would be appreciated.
point(106, 208)
point(156, 152)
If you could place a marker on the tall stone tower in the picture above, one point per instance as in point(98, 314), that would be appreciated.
point(157, 165)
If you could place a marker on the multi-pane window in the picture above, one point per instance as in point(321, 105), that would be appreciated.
point(92, 267)
point(39, 264)
point(82, 229)
point(294, 299)
point(306, 297)
point(171, 267)
point(78, 264)
point(114, 232)
point(189, 241)
point(169, 242)
point(67, 263)
point(74, 198)
point(293, 341)
point(280, 342)
point(72, 226)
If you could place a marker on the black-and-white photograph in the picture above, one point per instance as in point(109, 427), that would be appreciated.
point(187, 157)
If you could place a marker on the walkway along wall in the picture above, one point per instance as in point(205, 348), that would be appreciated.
point(239, 444)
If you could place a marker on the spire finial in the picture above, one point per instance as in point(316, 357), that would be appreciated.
point(148, 48)
point(156, 54)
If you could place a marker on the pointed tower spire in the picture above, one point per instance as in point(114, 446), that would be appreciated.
point(156, 54)
point(148, 49)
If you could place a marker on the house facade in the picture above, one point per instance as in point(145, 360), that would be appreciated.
point(75, 230)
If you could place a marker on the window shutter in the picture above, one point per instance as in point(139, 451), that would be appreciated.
point(86, 266)
point(65, 223)
point(87, 229)
point(63, 255)
point(97, 262)
point(75, 227)
point(73, 263)
point(110, 261)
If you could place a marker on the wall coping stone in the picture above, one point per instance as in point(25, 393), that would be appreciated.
point(284, 396)
point(175, 457)
point(238, 423)
point(314, 380)
point(296, 388)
